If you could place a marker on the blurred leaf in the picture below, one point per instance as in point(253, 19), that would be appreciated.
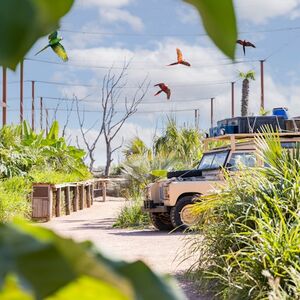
point(49, 265)
point(23, 22)
point(159, 173)
point(219, 22)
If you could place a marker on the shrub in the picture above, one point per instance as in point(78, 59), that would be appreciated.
point(251, 234)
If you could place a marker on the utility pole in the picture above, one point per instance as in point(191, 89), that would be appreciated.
point(47, 121)
point(262, 97)
point(4, 96)
point(212, 112)
point(232, 99)
point(41, 113)
point(32, 104)
point(21, 91)
point(197, 119)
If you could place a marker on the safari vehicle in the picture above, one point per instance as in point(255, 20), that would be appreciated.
point(169, 201)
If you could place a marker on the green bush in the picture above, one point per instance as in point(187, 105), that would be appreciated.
point(251, 233)
point(131, 216)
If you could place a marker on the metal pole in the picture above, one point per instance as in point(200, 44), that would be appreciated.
point(212, 112)
point(4, 96)
point(262, 99)
point(21, 91)
point(232, 99)
point(41, 113)
point(32, 104)
point(47, 121)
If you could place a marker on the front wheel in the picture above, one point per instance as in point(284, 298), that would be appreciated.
point(181, 214)
point(161, 221)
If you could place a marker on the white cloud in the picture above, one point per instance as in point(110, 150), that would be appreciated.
point(104, 3)
point(187, 14)
point(259, 12)
point(113, 15)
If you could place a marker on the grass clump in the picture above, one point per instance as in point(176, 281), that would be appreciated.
point(132, 216)
point(250, 246)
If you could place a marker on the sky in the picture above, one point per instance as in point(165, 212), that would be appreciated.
point(100, 34)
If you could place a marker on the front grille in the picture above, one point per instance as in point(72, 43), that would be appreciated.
point(149, 204)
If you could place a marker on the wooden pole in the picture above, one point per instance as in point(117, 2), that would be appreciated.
point(21, 91)
point(32, 104)
point(262, 101)
point(58, 203)
point(67, 200)
point(232, 99)
point(212, 112)
point(4, 96)
point(47, 121)
point(41, 113)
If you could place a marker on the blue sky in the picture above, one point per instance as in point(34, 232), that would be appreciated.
point(103, 33)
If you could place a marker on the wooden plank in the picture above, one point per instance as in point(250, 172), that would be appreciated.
point(92, 194)
point(104, 191)
point(81, 197)
point(88, 195)
point(50, 203)
point(75, 198)
point(58, 203)
point(67, 200)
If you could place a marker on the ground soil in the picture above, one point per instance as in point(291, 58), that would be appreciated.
point(159, 250)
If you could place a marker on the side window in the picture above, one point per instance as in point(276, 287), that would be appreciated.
point(247, 159)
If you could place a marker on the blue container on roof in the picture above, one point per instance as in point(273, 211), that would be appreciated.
point(281, 112)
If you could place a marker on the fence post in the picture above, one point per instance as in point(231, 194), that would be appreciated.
point(81, 197)
point(58, 203)
point(104, 190)
point(75, 198)
point(67, 200)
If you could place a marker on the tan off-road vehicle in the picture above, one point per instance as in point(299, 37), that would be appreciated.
point(169, 201)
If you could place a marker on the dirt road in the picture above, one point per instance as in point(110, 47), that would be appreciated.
point(159, 250)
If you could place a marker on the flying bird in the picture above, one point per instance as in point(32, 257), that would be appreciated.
point(57, 47)
point(245, 44)
point(163, 88)
point(180, 60)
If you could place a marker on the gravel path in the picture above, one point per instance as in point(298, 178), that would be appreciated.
point(159, 250)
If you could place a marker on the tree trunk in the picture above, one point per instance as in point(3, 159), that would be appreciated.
point(108, 159)
point(245, 98)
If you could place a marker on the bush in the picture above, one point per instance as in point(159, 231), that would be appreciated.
point(251, 236)
point(131, 216)
point(14, 198)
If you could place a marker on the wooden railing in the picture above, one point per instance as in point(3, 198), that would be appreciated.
point(54, 200)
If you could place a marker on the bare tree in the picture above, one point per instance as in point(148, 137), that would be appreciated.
point(113, 120)
point(90, 145)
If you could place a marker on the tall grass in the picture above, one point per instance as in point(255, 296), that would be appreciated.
point(251, 234)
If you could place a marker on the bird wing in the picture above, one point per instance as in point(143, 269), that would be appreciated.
point(60, 51)
point(185, 63)
point(168, 92)
point(52, 36)
point(159, 84)
point(42, 49)
point(179, 54)
point(240, 42)
point(250, 44)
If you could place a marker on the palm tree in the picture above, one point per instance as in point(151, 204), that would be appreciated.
point(245, 90)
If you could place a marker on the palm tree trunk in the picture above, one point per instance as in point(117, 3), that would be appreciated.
point(245, 98)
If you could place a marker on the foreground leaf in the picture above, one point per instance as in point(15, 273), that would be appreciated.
point(49, 265)
point(219, 21)
point(23, 22)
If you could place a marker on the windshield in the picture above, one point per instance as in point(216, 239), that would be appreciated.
point(213, 160)
point(246, 159)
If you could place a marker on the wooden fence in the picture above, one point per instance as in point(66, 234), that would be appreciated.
point(50, 200)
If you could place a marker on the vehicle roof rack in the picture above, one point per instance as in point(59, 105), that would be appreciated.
point(239, 137)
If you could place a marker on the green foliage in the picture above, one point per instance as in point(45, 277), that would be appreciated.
point(21, 28)
point(219, 22)
point(248, 75)
point(251, 233)
point(52, 267)
point(131, 215)
point(13, 198)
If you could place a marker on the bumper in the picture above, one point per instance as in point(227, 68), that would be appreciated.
point(150, 206)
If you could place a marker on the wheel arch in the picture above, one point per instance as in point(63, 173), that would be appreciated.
point(188, 194)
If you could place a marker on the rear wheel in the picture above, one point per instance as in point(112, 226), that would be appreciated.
point(181, 214)
point(161, 221)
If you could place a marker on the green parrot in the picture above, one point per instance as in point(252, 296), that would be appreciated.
point(57, 47)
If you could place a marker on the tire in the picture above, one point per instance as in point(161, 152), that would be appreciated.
point(161, 221)
point(176, 210)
